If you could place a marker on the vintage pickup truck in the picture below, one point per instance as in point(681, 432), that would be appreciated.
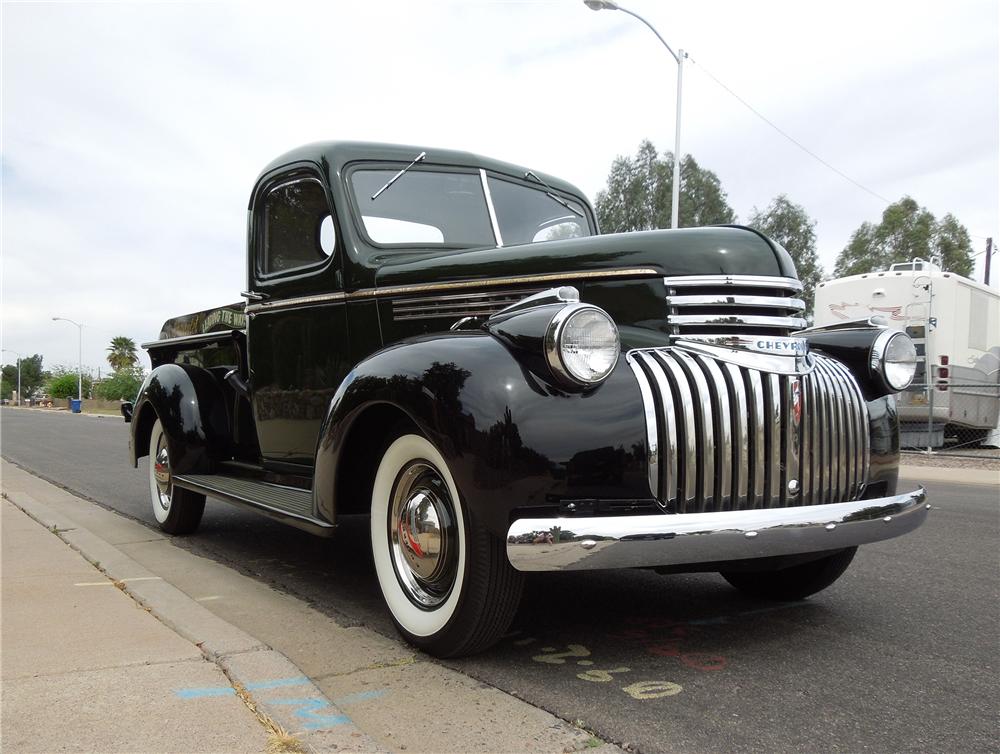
point(444, 342)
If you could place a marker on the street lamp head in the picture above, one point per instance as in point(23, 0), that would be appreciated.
point(601, 4)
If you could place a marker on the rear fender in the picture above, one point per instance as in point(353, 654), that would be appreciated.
point(189, 404)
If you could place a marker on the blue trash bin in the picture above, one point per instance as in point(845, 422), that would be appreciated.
point(75, 405)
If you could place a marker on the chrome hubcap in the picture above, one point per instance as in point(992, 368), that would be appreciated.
point(161, 472)
point(422, 535)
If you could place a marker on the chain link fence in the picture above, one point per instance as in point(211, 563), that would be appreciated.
point(949, 417)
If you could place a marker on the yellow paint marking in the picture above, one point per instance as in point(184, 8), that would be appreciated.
point(573, 650)
point(652, 689)
point(601, 676)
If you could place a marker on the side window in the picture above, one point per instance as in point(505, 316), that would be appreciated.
point(296, 227)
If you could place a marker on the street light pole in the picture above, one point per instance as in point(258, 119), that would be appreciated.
point(679, 58)
point(18, 373)
point(79, 369)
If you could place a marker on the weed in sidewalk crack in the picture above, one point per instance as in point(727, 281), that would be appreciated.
point(279, 741)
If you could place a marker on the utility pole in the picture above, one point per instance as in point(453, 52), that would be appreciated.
point(989, 259)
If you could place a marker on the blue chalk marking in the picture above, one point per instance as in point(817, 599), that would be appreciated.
point(307, 711)
point(211, 691)
point(361, 696)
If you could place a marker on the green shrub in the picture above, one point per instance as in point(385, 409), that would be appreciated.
point(122, 385)
point(65, 385)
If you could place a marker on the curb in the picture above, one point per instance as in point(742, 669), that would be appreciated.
point(954, 475)
point(316, 722)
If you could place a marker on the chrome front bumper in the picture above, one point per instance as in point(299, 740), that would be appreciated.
point(568, 544)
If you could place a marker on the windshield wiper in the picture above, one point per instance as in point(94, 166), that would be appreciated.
point(418, 158)
point(551, 195)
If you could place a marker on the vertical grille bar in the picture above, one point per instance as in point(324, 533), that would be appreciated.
point(773, 420)
point(860, 418)
point(740, 437)
point(805, 430)
point(668, 469)
point(723, 434)
point(757, 424)
point(705, 434)
point(688, 487)
point(793, 437)
point(652, 443)
point(828, 434)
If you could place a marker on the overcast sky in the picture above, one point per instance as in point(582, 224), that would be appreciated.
point(132, 132)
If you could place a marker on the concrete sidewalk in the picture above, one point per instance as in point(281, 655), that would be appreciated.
point(333, 687)
point(85, 668)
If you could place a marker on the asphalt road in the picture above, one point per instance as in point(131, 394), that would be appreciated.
point(899, 655)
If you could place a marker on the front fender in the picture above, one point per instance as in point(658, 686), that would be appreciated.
point(511, 440)
point(189, 404)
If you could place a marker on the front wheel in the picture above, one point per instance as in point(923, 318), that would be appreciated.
point(446, 580)
point(176, 510)
point(794, 583)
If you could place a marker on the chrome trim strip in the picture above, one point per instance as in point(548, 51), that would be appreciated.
point(297, 302)
point(750, 281)
point(734, 320)
point(652, 444)
point(515, 293)
point(192, 340)
point(744, 357)
point(771, 302)
point(568, 544)
point(367, 293)
point(492, 209)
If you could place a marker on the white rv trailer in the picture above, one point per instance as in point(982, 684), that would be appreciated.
point(955, 324)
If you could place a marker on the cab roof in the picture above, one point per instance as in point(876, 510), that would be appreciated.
point(335, 155)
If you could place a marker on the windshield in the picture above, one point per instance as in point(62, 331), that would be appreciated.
point(449, 209)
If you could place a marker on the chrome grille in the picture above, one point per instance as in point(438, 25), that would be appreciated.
point(733, 303)
point(726, 437)
point(457, 305)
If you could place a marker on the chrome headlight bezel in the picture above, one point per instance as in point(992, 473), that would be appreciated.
point(879, 364)
point(553, 346)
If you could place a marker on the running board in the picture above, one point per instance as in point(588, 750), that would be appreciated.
point(290, 505)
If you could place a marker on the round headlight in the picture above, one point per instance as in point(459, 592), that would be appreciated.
point(581, 344)
point(894, 357)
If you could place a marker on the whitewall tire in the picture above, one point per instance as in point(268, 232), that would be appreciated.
point(446, 581)
point(176, 510)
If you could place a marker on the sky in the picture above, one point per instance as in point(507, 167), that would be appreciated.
point(132, 132)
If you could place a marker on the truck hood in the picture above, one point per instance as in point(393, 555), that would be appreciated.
point(728, 250)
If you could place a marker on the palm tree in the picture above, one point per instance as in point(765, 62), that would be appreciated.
point(122, 353)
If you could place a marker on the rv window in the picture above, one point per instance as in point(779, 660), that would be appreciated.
point(915, 331)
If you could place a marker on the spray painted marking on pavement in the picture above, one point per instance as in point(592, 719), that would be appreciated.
point(119, 581)
point(210, 691)
point(308, 710)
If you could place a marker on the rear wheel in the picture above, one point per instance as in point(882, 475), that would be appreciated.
point(176, 510)
point(793, 583)
point(446, 580)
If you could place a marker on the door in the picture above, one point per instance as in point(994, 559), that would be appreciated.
point(297, 324)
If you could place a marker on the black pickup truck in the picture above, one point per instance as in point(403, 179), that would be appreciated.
point(445, 343)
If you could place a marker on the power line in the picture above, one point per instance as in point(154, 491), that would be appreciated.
point(799, 144)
